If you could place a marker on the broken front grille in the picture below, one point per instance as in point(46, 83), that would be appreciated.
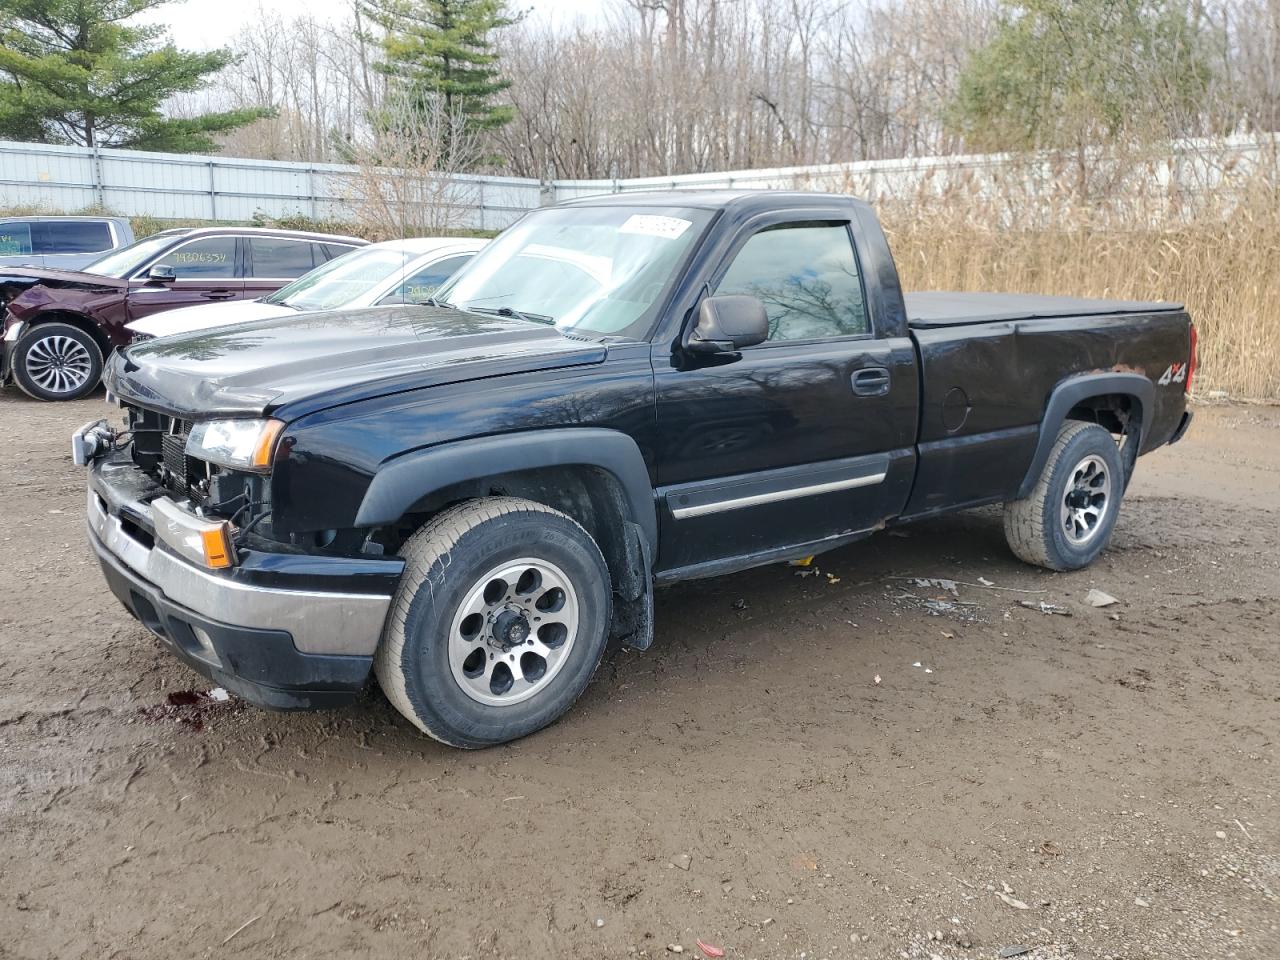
point(159, 447)
point(173, 448)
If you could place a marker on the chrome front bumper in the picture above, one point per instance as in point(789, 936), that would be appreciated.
point(319, 621)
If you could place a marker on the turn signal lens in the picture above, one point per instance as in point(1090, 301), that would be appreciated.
point(216, 541)
point(266, 446)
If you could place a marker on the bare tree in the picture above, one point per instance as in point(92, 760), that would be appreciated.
point(409, 179)
point(658, 87)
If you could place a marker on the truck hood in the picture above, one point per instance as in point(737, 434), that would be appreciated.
point(307, 362)
point(206, 316)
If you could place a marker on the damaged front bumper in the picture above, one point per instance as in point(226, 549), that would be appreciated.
point(8, 343)
point(282, 630)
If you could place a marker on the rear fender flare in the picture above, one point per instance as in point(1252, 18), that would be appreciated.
point(1076, 390)
point(402, 482)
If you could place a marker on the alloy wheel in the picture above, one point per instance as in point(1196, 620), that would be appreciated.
point(1086, 500)
point(58, 364)
point(513, 631)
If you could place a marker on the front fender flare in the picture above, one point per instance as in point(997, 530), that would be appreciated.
point(1075, 390)
point(403, 481)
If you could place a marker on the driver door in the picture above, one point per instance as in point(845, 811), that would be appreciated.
point(206, 270)
point(801, 440)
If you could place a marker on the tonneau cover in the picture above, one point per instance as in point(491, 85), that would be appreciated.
point(938, 309)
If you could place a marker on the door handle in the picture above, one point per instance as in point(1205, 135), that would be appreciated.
point(218, 294)
point(871, 382)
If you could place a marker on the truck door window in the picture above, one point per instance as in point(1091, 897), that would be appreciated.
point(84, 236)
point(807, 278)
point(213, 258)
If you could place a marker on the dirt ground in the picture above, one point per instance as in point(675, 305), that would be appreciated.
point(802, 767)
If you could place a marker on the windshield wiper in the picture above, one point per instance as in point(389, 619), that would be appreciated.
point(513, 312)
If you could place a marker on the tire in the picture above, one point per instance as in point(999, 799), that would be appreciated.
point(57, 361)
point(440, 660)
point(1067, 519)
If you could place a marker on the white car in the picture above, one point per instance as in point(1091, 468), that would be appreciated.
point(397, 271)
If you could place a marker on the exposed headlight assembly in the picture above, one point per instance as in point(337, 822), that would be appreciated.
point(238, 444)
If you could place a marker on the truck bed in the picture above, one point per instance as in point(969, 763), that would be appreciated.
point(989, 363)
point(932, 309)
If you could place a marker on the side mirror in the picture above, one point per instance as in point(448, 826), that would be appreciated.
point(161, 273)
point(728, 324)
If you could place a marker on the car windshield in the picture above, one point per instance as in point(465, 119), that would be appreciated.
point(342, 280)
point(594, 271)
point(123, 262)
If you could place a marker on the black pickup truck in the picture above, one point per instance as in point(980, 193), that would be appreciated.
point(472, 497)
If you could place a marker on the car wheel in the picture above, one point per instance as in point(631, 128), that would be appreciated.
point(56, 361)
point(1067, 519)
point(499, 622)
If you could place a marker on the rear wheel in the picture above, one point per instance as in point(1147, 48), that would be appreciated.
point(500, 620)
point(1067, 519)
point(57, 361)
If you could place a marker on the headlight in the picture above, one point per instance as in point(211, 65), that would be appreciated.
point(238, 444)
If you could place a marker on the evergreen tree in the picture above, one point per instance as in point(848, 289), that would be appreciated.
point(75, 71)
point(1070, 73)
point(440, 50)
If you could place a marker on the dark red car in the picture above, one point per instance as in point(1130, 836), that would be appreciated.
point(59, 326)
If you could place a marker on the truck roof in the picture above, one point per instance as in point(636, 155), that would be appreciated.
point(743, 201)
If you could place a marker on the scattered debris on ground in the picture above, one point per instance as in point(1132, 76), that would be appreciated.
point(1049, 609)
point(1097, 598)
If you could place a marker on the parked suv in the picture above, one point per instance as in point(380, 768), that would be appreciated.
point(66, 243)
point(60, 325)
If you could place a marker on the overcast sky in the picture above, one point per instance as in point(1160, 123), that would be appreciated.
point(200, 25)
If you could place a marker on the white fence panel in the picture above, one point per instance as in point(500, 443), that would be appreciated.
point(183, 186)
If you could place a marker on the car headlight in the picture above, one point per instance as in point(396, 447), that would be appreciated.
point(238, 444)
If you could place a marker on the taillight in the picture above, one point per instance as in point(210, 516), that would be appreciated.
point(1191, 361)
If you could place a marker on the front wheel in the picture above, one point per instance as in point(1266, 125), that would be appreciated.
point(57, 361)
point(500, 619)
point(1067, 519)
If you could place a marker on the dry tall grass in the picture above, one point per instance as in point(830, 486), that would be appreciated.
point(1221, 259)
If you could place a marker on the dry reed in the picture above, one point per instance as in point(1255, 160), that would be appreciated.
point(1222, 260)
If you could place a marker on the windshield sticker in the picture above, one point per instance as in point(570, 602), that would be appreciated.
point(653, 226)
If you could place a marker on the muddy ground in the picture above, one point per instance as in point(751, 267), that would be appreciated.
point(1102, 784)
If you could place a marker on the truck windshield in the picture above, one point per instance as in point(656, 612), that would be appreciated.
point(123, 262)
point(593, 271)
point(342, 280)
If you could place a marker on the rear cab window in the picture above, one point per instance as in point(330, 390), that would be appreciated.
point(807, 277)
